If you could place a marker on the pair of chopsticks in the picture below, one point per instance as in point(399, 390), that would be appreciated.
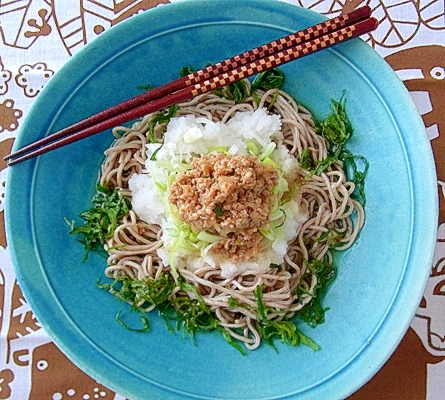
point(323, 35)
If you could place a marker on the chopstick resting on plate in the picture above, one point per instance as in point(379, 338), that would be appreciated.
point(321, 36)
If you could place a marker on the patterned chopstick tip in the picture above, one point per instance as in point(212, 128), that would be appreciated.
point(275, 60)
point(267, 49)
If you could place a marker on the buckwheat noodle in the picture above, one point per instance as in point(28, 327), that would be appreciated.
point(327, 197)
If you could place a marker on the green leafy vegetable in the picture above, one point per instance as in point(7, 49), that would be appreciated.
point(313, 313)
point(145, 86)
point(232, 341)
point(332, 157)
point(354, 174)
point(143, 319)
point(270, 79)
point(336, 128)
point(219, 211)
point(267, 80)
point(160, 118)
point(236, 91)
point(193, 315)
point(273, 327)
point(184, 71)
point(187, 307)
point(141, 293)
point(109, 207)
point(332, 238)
point(306, 159)
point(233, 303)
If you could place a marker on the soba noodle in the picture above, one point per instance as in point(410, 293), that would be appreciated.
point(333, 216)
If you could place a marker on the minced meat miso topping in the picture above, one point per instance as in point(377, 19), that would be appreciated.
point(230, 196)
point(224, 194)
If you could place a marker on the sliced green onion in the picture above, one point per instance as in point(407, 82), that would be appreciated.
point(160, 186)
point(269, 161)
point(277, 214)
point(185, 243)
point(267, 152)
point(267, 233)
point(208, 237)
point(253, 147)
point(218, 149)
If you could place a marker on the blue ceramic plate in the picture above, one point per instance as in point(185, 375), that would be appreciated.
point(381, 278)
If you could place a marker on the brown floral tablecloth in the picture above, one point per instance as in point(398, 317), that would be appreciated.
point(38, 36)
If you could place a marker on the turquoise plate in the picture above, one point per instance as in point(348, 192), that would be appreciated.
point(381, 278)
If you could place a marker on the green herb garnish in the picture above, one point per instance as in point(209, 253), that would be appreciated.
point(236, 91)
point(109, 207)
point(354, 174)
point(145, 87)
point(187, 308)
point(270, 79)
point(193, 315)
point(232, 341)
point(313, 313)
point(331, 237)
point(218, 210)
point(232, 302)
point(160, 118)
point(337, 129)
point(143, 319)
point(273, 327)
point(184, 71)
point(141, 293)
point(306, 159)
point(267, 80)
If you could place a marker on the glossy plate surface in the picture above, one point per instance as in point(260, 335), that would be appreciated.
point(381, 278)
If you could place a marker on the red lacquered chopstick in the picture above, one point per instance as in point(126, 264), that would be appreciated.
point(221, 74)
point(207, 73)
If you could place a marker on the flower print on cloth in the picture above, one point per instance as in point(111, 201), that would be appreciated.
point(32, 78)
point(5, 77)
point(9, 116)
point(3, 178)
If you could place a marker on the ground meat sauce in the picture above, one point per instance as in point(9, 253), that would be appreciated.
point(230, 196)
